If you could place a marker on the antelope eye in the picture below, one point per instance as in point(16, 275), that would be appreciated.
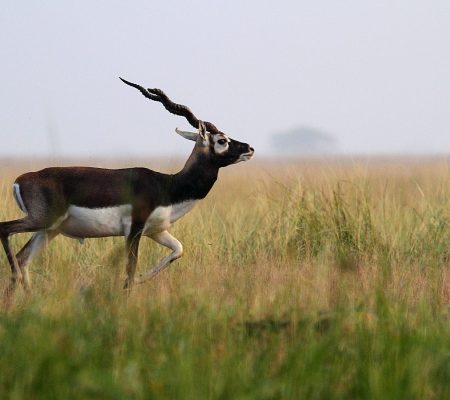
point(221, 141)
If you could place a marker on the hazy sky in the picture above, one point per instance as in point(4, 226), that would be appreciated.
point(375, 74)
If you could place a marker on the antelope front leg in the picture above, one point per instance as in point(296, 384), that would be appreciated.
point(132, 247)
point(166, 239)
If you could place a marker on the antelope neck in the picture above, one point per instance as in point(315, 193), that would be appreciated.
point(193, 182)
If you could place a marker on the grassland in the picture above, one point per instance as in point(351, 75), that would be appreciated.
point(313, 280)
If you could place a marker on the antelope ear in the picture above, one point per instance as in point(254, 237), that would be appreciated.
point(187, 135)
point(202, 130)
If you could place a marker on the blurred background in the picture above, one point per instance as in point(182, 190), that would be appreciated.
point(291, 77)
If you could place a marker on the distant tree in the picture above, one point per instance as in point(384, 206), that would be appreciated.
point(304, 140)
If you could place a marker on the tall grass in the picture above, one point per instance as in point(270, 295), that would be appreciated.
point(315, 280)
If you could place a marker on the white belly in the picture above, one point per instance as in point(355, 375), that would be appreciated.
point(83, 222)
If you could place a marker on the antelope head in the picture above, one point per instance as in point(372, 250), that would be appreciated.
point(214, 144)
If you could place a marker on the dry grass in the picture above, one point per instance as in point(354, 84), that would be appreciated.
point(319, 279)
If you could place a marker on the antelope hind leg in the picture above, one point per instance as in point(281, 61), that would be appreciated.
point(16, 274)
point(38, 241)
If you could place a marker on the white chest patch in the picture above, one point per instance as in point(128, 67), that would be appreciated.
point(163, 217)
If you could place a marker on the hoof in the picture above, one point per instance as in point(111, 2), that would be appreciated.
point(127, 284)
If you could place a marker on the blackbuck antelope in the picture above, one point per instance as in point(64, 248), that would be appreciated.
point(84, 202)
